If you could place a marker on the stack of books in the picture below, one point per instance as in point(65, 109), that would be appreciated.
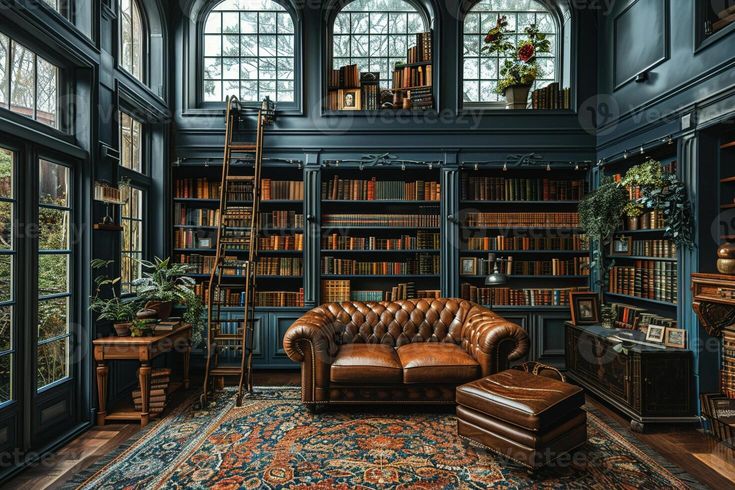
point(551, 97)
point(647, 279)
point(727, 374)
point(718, 411)
point(160, 379)
point(422, 97)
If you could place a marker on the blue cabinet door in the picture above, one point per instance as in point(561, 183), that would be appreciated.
point(547, 338)
point(279, 323)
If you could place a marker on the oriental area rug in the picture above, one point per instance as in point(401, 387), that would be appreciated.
point(272, 442)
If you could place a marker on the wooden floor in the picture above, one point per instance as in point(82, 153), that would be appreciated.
point(700, 456)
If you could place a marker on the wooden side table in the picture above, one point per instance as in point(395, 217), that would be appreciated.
point(143, 350)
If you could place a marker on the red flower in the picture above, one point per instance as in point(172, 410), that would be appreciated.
point(491, 36)
point(526, 53)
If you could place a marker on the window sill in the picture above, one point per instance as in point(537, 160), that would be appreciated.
point(380, 113)
point(497, 111)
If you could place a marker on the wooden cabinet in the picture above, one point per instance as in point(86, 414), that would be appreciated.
point(649, 384)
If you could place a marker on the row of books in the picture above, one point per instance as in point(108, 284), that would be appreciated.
point(646, 279)
point(412, 76)
point(475, 188)
point(184, 215)
point(421, 97)
point(654, 248)
point(266, 266)
point(636, 318)
point(293, 242)
point(576, 266)
point(421, 264)
point(201, 188)
point(282, 189)
point(423, 50)
point(347, 76)
point(339, 290)
point(575, 242)
point(727, 372)
point(517, 297)
point(373, 189)
point(282, 219)
point(236, 297)
point(370, 94)
point(210, 218)
point(510, 220)
point(422, 240)
point(551, 97)
point(718, 411)
point(651, 220)
point(394, 220)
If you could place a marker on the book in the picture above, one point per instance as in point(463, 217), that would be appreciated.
point(523, 220)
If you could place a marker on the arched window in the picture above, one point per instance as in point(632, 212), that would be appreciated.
point(133, 37)
point(249, 51)
point(481, 70)
point(375, 35)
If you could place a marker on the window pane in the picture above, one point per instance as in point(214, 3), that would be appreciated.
point(245, 45)
point(6, 225)
point(53, 318)
point(53, 229)
point(53, 184)
point(132, 38)
point(6, 328)
point(132, 237)
point(53, 274)
point(47, 93)
point(131, 135)
point(6, 278)
point(5, 378)
point(52, 362)
point(21, 85)
point(4, 87)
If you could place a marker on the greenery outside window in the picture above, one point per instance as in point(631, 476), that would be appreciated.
point(7, 285)
point(54, 273)
point(29, 85)
point(481, 70)
point(131, 143)
point(131, 250)
point(133, 36)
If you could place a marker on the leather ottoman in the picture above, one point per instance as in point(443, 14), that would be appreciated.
point(528, 418)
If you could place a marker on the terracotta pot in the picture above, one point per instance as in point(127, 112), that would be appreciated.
point(122, 329)
point(516, 96)
point(633, 222)
point(726, 258)
point(162, 308)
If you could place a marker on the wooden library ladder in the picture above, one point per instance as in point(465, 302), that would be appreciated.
point(237, 232)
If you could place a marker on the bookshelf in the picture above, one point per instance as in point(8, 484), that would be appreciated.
point(379, 233)
point(526, 218)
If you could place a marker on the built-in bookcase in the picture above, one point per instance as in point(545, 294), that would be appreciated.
point(527, 221)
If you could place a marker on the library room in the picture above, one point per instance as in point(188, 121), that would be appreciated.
point(369, 244)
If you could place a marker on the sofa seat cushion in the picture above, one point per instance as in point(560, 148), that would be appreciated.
point(366, 364)
point(531, 402)
point(433, 362)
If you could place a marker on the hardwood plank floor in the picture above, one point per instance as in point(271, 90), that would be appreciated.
point(709, 462)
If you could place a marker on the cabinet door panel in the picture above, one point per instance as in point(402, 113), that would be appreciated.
point(548, 338)
point(279, 324)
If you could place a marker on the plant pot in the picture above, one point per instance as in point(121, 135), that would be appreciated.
point(726, 258)
point(163, 309)
point(633, 222)
point(122, 329)
point(516, 96)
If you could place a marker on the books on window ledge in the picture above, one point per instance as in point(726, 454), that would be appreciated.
point(518, 297)
point(388, 220)
point(374, 190)
point(646, 279)
point(576, 266)
point(422, 240)
point(551, 97)
point(574, 242)
point(530, 220)
point(477, 188)
point(422, 264)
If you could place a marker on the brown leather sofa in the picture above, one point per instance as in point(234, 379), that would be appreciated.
point(411, 351)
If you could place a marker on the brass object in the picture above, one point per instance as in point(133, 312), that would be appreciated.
point(726, 258)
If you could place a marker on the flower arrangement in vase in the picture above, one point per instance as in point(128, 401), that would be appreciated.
point(520, 68)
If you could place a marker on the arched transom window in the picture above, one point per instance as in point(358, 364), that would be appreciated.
point(481, 70)
point(132, 39)
point(375, 35)
point(248, 51)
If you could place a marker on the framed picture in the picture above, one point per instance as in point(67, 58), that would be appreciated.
point(349, 99)
point(585, 307)
point(676, 337)
point(621, 246)
point(655, 333)
point(204, 242)
point(469, 266)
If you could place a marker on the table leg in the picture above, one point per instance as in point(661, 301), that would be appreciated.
point(102, 371)
point(187, 357)
point(144, 376)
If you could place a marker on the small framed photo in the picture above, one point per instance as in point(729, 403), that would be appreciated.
point(469, 266)
point(621, 246)
point(585, 307)
point(204, 242)
point(349, 99)
point(655, 333)
point(676, 337)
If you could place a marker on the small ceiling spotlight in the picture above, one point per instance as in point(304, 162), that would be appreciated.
point(643, 151)
point(505, 167)
point(625, 155)
point(548, 167)
point(477, 167)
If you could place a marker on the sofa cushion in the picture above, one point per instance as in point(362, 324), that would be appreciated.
point(433, 362)
point(522, 399)
point(366, 364)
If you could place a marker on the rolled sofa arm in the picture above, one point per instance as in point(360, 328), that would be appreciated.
point(310, 340)
point(492, 340)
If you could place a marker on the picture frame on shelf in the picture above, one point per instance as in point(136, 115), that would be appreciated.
point(350, 99)
point(655, 333)
point(676, 337)
point(585, 307)
point(621, 246)
point(469, 266)
point(204, 242)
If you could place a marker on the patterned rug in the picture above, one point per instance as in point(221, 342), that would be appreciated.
point(272, 441)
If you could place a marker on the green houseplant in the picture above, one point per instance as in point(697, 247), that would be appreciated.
point(163, 284)
point(112, 308)
point(520, 68)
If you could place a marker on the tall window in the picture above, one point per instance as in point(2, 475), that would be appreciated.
point(54, 272)
point(131, 250)
point(7, 257)
point(131, 143)
point(132, 38)
point(248, 51)
point(28, 83)
point(375, 35)
point(481, 71)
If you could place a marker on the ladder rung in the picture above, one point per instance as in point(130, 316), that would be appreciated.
point(243, 147)
point(240, 178)
point(225, 371)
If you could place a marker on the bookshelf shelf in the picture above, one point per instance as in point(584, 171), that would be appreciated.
point(638, 298)
point(506, 202)
point(642, 257)
point(356, 227)
point(519, 276)
point(382, 202)
point(640, 232)
point(397, 251)
point(379, 276)
point(515, 252)
point(522, 228)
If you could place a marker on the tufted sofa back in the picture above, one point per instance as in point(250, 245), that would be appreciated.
point(398, 322)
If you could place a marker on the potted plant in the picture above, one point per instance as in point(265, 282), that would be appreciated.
point(113, 308)
point(142, 328)
point(520, 68)
point(163, 284)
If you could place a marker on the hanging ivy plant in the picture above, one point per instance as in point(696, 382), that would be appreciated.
point(661, 191)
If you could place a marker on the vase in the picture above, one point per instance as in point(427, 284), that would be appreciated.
point(122, 329)
point(726, 258)
point(516, 96)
